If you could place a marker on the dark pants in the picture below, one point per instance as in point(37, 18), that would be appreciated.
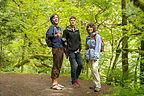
point(57, 62)
point(75, 72)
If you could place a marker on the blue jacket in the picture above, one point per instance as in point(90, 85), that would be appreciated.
point(93, 47)
point(57, 42)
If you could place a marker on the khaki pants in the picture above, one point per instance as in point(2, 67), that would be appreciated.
point(58, 54)
point(95, 73)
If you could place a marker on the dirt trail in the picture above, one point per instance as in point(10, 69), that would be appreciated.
point(39, 85)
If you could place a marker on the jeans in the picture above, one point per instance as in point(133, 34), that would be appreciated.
point(75, 72)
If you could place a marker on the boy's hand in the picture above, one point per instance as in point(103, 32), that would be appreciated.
point(65, 43)
point(58, 35)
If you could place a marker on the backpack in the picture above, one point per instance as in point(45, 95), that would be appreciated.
point(102, 44)
point(49, 41)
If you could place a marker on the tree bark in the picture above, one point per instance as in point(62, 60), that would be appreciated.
point(1, 48)
point(124, 42)
point(139, 3)
point(31, 58)
point(112, 46)
point(142, 64)
point(23, 54)
point(136, 68)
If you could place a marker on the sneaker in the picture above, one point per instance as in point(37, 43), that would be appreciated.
point(96, 89)
point(75, 85)
point(91, 87)
point(78, 82)
point(60, 85)
point(55, 87)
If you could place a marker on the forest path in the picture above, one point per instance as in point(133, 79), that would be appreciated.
point(39, 85)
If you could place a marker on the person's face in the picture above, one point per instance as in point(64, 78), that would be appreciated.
point(55, 19)
point(72, 21)
point(90, 29)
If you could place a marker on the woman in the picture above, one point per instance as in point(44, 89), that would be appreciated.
point(92, 48)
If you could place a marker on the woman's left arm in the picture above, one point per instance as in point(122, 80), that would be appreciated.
point(98, 46)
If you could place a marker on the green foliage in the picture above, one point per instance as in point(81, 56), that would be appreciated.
point(24, 24)
point(129, 90)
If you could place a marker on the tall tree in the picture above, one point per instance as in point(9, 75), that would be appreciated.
point(3, 34)
point(140, 4)
point(142, 64)
point(124, 42)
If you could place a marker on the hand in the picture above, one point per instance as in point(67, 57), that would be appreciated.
point(55, 35)
point(65, 43)
point(59, 35)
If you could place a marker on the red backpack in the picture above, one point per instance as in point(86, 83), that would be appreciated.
point(102, 44)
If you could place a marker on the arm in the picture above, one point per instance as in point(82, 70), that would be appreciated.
point(64, 37)
point(86, 45)
point(86, 48)
point(80, 42)
point(98, 46)
point(51, 32)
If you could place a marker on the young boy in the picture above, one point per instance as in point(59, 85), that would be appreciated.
point(72, 39)
point(57, 50)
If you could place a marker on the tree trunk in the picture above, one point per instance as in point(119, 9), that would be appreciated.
point(124, 43)
point(139, 3)
point(142, 64)
point(23, 54)
point(1, 64)
point(109, 77)
point(136, 68)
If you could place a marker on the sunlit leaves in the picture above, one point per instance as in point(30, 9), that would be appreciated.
point(31, 17)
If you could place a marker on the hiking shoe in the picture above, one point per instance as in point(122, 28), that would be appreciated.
point(78, 82)
point(75, 85)
point(96, 90)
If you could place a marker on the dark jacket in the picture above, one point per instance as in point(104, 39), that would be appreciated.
point(57, 42)
point(72, 37)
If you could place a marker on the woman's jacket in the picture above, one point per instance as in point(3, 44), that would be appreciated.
point(93, 46)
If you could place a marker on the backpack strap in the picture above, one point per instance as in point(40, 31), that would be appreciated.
point(95, 36)
point(54, 30)
point(102, 45)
